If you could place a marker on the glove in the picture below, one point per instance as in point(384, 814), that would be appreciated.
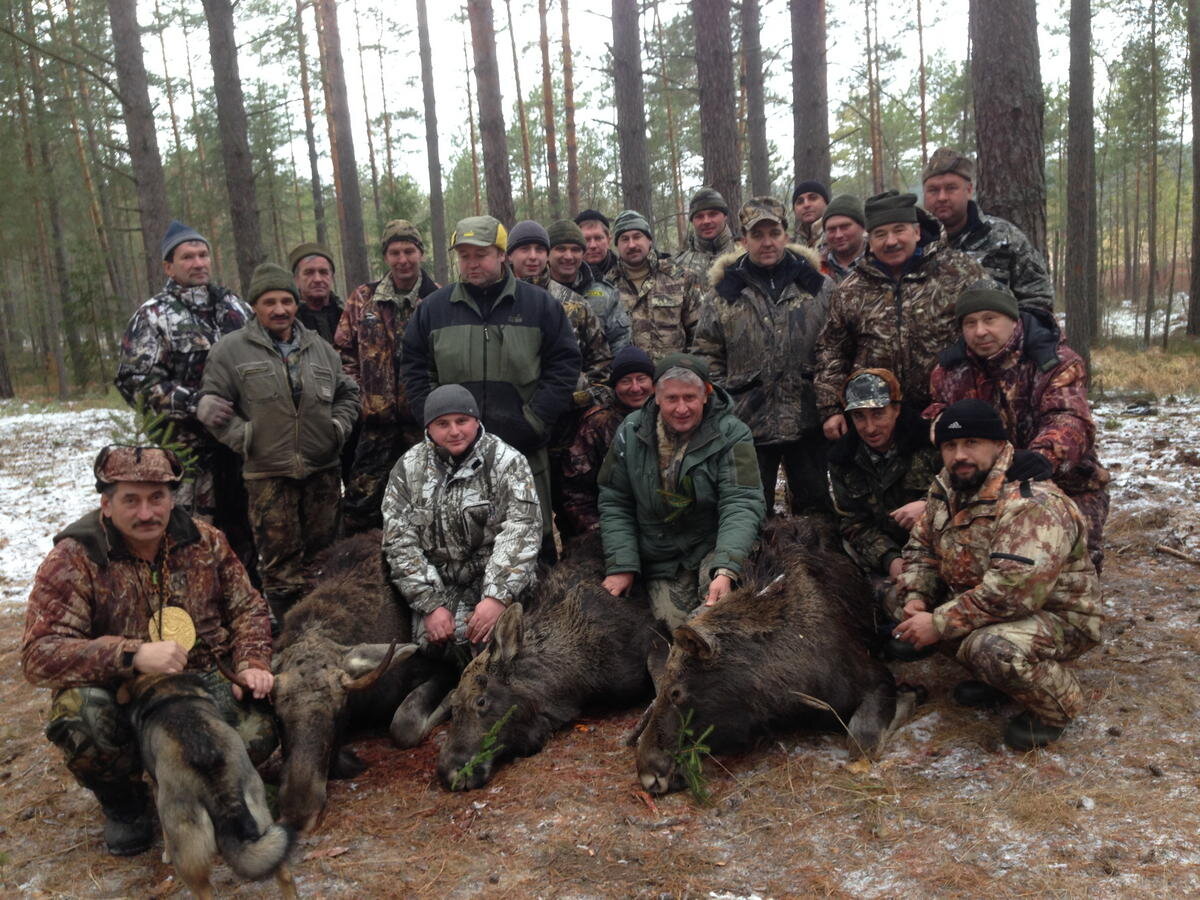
point(214, 411)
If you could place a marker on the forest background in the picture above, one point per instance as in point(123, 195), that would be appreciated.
point(265, 123)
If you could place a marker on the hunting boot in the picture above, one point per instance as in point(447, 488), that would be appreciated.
point(128, 827)
point(1025, 732)
point(902, 651)
point(978, 694)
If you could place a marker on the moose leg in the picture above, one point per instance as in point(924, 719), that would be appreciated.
point(422, 710)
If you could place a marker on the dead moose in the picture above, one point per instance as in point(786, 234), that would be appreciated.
point(797, 630)
point(578, 645)
point(336, 668)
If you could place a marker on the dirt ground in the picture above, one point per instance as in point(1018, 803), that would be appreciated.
point(947, 811)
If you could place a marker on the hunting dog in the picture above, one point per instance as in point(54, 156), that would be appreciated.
point(209, 796)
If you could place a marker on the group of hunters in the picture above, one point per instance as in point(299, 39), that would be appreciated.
point(902, 364)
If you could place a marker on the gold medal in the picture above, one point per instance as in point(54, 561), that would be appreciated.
point(172, 623)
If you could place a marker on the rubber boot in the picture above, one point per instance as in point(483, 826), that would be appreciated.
point(1025, 732)
point(978, 694)
point(128, 826)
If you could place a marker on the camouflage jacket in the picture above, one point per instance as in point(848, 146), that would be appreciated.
point(581, 462)
point(811, 236)
point(475, 524)
point(1039, 386)
point(166, 344)
point(665, 310)
point(1016, 546)
point(323, 321)
point(602, 298)
point(833, 269)
point(758, 331)
point(866, 487)
point(605, 270)
point(877, 321)
point(368, 338)
point(1007, 255)
point(698, 255)
point(596, 356)
point(91, 603)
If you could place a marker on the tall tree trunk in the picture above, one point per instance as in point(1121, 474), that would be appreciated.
point(474, 140)
point(718, 129)
point(629, 97)
point(142, 138)
point(341, 147)
point(362, 77)
point(437, 204)
point(1079, 272)
point(569, 114)
point(672, 134)
point(1166, 338)
point(310, 136)
point(522, 119)
point(235, 146)
point(169, 86)
point(756, 118)
point(1193, 43)
point(548, 115)
point(873, 112)
point(387, 116)
point(921, 86)
point(199, 135)
point(491, 112)
point(810, 91)
point(1009, 106)
point(1152, 189)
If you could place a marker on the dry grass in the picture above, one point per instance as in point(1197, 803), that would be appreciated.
point(1150, 371)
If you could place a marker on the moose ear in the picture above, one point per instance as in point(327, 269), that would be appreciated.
point(509, 634)
point(695, 642)
point(363, 658)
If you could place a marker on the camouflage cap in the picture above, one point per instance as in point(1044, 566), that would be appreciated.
point(871, 389)
point(118, 462)
point(947, 161)
point(762, 209)
point(401, 230)
point(479, 231)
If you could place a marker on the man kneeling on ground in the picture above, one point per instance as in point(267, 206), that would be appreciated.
point(998, 568)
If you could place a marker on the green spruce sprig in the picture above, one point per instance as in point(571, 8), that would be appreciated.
point(689, 754)
point(489, 747)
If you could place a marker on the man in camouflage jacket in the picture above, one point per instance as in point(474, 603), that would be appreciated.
point(90, 625)
point(663, 299)
point(567, 268)
point(997, 569)
point(998, 245)
point(709, 234)
point(462, 525)
point(369, 338)
point(896, 310)
point(1019, 363)
point(758, 332)
point(163, 352)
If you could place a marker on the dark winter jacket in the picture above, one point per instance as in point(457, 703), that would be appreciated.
point(1008, 256)
point(323, 321)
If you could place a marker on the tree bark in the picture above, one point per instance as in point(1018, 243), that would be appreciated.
point(569, 114)
point(235, 146)
point(474, 140)
point(1152, 189)
point(1166, 335)
point(1080, 272)
point(437, 204)
point(1193, 43)
point(199, 133)
point(1009, 106)
point(921, 86)
point(873, 107)
point(714, 70)
point(672, 133)
point(362, 77)
point(491, 113)
point(341, 147)
point(142, 138)
point(629, 97)
point(310, 137)
point(756, 110)
point(522, 119)
point(810, 91)
point(548, 116)
point(169, 88)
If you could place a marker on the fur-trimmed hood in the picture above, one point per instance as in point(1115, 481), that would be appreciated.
point(802, 263)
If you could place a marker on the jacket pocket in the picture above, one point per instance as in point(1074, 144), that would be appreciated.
point(322, 383)
point(258, 381)
point(475, 523)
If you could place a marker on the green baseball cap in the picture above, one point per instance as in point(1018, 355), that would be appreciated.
point(479, 231)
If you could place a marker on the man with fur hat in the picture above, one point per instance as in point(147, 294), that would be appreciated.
point(809, 201)
point(320, 307)
point(845, 227)
point(293, 410)
point(997, 572)
point(1018, 361)
point(681, 502)
point(758, 333)
point(368, 338)
point(997, 244)
point(895, 311)
point(709, 233)
point(661, 297)
point(140, 587)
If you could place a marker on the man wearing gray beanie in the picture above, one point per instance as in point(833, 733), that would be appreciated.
point(845, 227)
point(709, 233)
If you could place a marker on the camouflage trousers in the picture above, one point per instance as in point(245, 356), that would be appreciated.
point(293, 519)
point(217, 495)
point(96, 737)
point(378, 448)
point(1023, 658)
point(1094, 506)
point(804, 465)
point(674, 600)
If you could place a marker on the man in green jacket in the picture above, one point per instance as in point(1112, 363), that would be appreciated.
point(293, 408)
point(681, 501)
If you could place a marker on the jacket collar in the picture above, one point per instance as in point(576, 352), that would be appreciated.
point(799, 266)
point(1041, 338)
point(911, 435)
point(722, 242)
point(102, 542)
point(301, 335)
point(703, 441)
point(459, 293)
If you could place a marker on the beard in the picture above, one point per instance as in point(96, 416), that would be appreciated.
point(968, 484)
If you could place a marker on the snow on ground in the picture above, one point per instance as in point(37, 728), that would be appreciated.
point(45, 483)
point(1127, 319)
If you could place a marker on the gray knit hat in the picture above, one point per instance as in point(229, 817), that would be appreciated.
point(270, 277)
point(564, 231)
point(447, 399)
point(845, 205)
point(631, 220)
point(981, 296)
point(527, 232)
point(178, 233)
point(707, 198)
